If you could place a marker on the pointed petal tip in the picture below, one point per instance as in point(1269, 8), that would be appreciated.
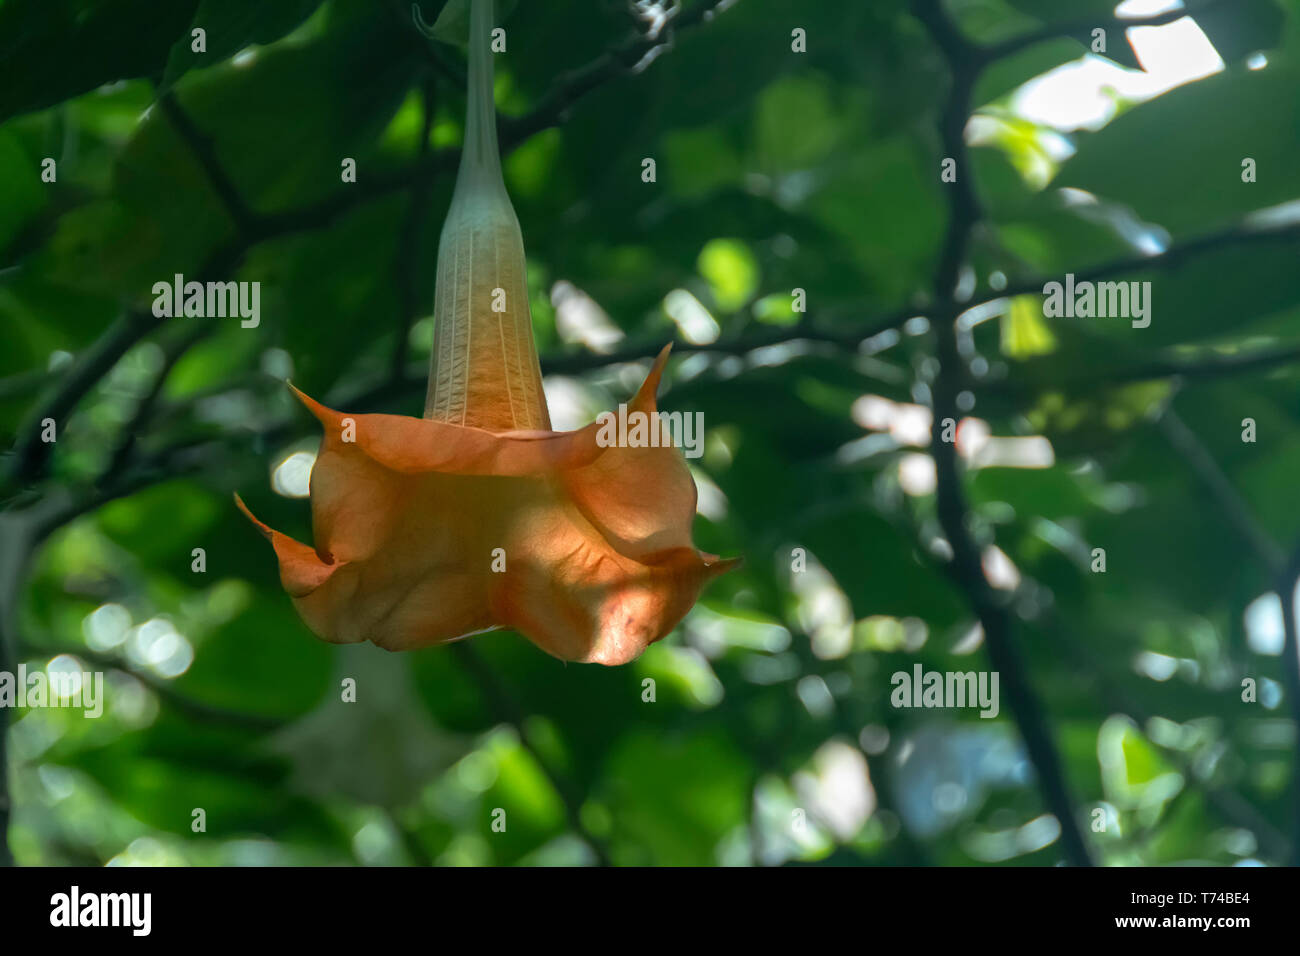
point(716, 566)
point(239, 503)
point(661, 360)
point(645, 396)
point(321, 412)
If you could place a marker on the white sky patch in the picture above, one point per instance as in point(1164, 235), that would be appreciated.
point(823, 610)
point(693, 320)
point(157, 644)
point(1085, 94)
point(1030, 451)
point(106, 627)
point(909, 424)
point(837, 787)
point(292, 477)
point(1147, 8)
point(579, 318)
point(1159, 667)
point(710, 500)
point(569, 401)
point(69, 667)
point(999, 569)
point(1264, 631)
point(916, 474)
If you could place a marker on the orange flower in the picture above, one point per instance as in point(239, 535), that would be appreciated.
point(479, 516)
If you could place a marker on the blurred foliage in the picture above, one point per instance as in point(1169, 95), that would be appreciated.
point(776, 171)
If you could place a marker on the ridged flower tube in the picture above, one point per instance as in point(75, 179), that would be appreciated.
point(478, 516)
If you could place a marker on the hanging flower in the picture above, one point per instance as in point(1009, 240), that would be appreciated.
point(479, 516)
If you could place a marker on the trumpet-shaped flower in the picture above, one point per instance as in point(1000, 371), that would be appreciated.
point(478, 516)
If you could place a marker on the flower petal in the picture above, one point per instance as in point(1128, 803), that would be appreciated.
point(428, 531)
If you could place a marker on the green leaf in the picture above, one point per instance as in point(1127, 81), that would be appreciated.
point(732, 272)
point(231, 25)
point(1242, 27)
point(1024, 331)
point(57, 49)
point(25, 193)
point(1158, 159)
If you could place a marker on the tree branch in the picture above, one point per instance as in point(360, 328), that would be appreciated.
point(966, 567)
point(31, 453)
point(255, 227)
point(1234, 808)
point(204, 151)
point(1206, 364)
point(308, 217)
point(130, 434)
point(1283, 572)
point(1178, 254)
point(164, 689)
point(1207, 471)
point(553, 110)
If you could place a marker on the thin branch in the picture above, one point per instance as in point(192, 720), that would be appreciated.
point(1282, 570)
point(188, 706)
point(61, 505)
point(31, 452)
point(1221, 490)
point(191, 456)
point(131, 432)
point(553, 110)
point(204, 151)
point(966, 567)
point(1206, 364)
point(630, 56)
point(1234, 808)
point(1177, 255)
point(315, 215)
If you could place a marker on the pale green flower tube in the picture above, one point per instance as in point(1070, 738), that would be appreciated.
point(483, 370)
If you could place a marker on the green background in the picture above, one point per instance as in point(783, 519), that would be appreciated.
point(771, 738)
